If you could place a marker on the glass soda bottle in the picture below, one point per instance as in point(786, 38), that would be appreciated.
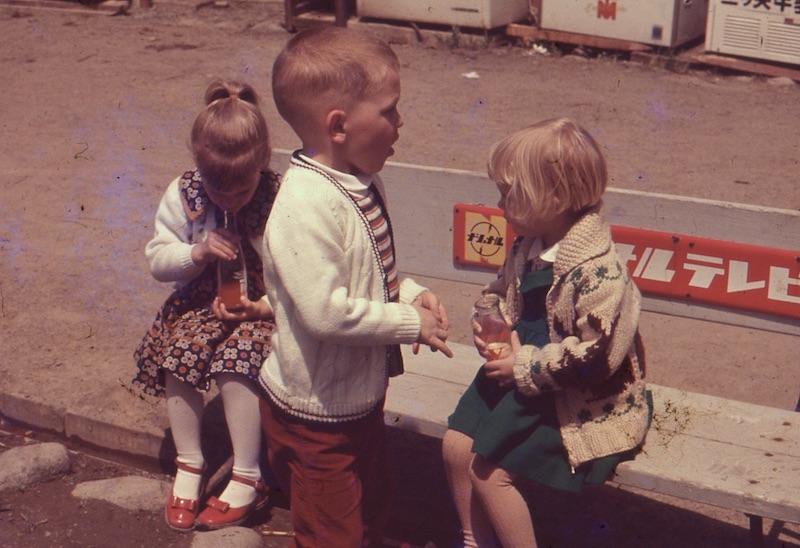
point(494, 329)
point(232, 274)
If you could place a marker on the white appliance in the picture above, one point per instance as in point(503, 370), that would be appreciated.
point(666, 23)
point(758, 29)
point(485, 14)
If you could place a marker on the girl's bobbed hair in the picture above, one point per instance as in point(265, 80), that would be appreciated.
point(548, 168)
point(229, 139)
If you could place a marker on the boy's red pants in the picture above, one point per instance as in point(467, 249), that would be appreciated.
point(337, 476)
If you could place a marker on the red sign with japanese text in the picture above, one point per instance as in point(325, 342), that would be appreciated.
point(729, 274)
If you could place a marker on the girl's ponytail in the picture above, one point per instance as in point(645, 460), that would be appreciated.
point(220, 89)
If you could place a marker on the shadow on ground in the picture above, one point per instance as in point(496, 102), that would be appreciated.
point(602, 516)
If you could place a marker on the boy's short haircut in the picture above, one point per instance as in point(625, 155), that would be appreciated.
point(548, 168)
point(328, 67)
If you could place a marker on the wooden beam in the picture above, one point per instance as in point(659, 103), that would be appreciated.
point(109, 7)
point(545, 35)
point(744, 65)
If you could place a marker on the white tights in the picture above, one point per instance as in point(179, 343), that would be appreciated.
point(486, 499)
point(185, 411)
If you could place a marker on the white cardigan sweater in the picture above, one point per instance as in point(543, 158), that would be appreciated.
point(169, 252)
point(325, 283)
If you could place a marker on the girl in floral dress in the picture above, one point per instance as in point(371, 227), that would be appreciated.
point(195, 337)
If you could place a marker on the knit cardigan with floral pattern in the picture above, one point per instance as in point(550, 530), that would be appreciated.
point(594, 364)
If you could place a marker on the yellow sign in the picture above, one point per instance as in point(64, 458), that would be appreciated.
point(481, 236)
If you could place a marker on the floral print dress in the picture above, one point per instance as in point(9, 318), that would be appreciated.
point(186, 339)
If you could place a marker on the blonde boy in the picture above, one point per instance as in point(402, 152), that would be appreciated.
point(340, 308)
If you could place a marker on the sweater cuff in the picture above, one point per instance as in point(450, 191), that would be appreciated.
point(186, 262)
point(410, 325)
point(522, 371)
point(409, 290)
point(189, 257)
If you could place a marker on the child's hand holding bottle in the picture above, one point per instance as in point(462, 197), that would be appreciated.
point(220, 244)
point(491, 333)
point(223, 246)
point(495, 340)
point(248, 310)
point(501, 370)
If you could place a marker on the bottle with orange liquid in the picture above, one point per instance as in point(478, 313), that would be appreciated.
point(494, 329)
point(232, 275)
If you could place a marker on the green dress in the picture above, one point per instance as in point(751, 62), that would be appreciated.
point(521, 434)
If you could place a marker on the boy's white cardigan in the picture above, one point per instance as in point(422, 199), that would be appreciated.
point(324, 282)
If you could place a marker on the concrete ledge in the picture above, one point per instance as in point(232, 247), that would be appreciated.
point(113, 436)
point(26, 411)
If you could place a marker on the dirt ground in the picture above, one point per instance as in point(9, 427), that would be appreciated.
point(46, 514)
point(95, 117)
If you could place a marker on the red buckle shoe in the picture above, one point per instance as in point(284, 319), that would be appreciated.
point(218, 514)
point(181, 513)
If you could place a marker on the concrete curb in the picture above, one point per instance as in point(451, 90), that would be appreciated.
point(32, 413)
point(82, 428)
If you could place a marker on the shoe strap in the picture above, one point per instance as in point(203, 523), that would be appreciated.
point(190, 469)
point(259, 485)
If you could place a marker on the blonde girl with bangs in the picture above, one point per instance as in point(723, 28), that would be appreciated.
point(551, 167)
point(569, 402)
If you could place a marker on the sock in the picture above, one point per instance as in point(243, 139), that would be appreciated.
point(187, 485)
point(238, 494)
point(240, 400)
point(184, 410)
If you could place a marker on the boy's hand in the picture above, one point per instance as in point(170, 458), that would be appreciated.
point(429, 300)
point(252, 310)
point(434, 324)
point(502, 371)
point(220, 244)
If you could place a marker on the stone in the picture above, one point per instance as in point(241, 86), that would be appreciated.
point(230, 537)
point(129, 492)
point(29, 464)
